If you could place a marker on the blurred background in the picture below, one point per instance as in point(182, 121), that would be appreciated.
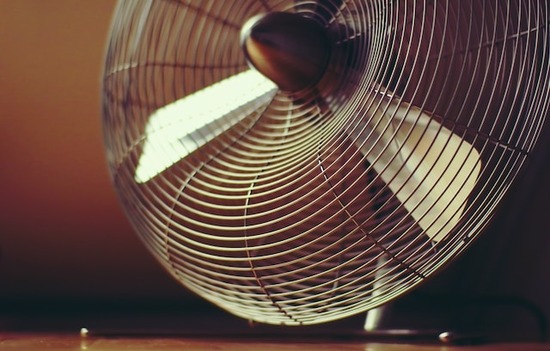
point(63, 234)
point(64, 240)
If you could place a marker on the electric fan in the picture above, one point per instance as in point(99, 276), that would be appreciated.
point(297, 161)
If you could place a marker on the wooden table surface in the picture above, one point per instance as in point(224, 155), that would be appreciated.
point(74, 341)
point(110, 327)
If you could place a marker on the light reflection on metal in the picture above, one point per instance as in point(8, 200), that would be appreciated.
point(178, 129)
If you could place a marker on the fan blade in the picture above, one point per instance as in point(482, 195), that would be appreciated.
point(431, 170)
point(176, 130)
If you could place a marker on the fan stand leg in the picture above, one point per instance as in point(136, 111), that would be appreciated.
point(375, 318)
point(376, 321)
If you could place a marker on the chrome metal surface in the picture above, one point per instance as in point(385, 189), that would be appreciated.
point(291, 50)
point(282, 206)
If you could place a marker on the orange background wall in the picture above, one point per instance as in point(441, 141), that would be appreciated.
point(62, 233)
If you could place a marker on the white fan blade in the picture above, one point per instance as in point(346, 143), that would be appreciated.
point(176, 130)
point(431, 170)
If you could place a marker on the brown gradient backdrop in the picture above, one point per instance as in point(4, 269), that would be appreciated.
point(62, 233)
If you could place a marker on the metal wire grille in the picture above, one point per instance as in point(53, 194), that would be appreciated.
point(329, 201)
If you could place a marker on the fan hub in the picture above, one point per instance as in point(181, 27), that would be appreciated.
point(291, 50)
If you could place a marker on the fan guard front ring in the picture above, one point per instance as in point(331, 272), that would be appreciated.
point(312, 205)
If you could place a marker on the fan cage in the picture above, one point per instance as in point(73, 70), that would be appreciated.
point(283, 218)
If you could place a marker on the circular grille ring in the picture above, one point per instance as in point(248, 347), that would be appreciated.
point(305, 206)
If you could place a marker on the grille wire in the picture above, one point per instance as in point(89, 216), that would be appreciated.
point(284, 217)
